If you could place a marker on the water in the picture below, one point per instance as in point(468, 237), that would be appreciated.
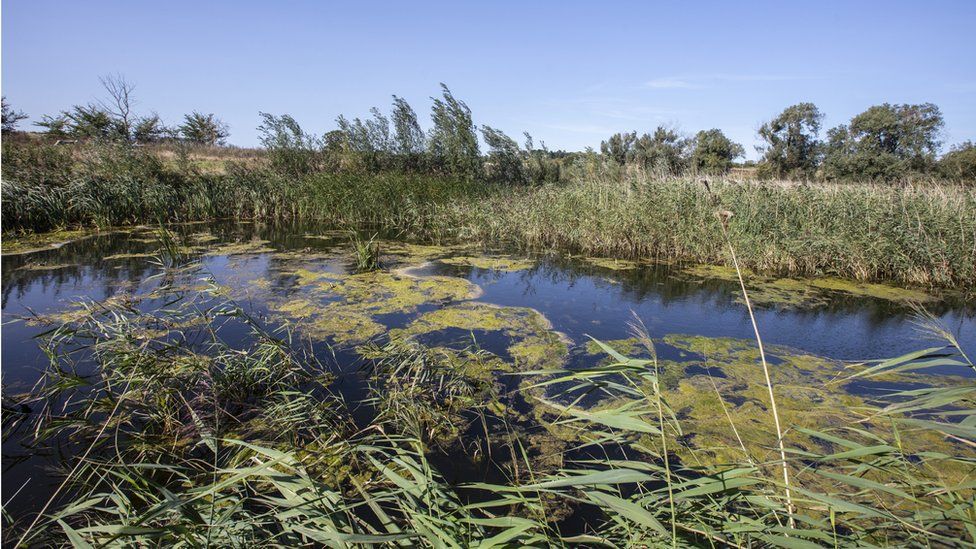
point(271, 271)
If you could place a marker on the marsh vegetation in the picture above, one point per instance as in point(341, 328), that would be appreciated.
point(385, 335)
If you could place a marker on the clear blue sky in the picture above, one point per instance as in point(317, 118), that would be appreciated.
point(570, 73)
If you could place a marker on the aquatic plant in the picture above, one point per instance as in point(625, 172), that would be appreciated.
point(213, 445)
point(366, 252)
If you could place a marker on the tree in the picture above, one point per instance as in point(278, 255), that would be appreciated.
point(665, 151)
point(619, 146)
point(960, 162)
point(292, 150)
point(150, 129)
point(119, 103)
point(54, 126)
point(792, 148)
point(10, 117)
point(714, 152)
point(82, 122)
point(884, 142)
point(504, 157)
point(205, 129)
point(408, 138)
point(453, 143)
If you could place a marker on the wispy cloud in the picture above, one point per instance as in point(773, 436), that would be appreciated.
point(583, 128)
point(671, 83)
point(701, 81)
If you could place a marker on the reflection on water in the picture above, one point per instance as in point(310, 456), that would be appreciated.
point(547, 309)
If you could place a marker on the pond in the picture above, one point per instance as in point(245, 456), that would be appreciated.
point(522, 312)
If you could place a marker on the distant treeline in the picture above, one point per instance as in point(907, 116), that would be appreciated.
point(884, 143)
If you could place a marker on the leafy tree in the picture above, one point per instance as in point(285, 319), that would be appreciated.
point(714, 152)
point(205, 129)
point(10, 117)
point(453, 143)
point(150, 129)
point(54, 126)
point(665, 151)
point(84, 122)
point(291, 149)
point(369, 139)
point(408, 138)
point(885, 142)
point(792, 147)
point(541, 165)
point(960, 162)
point(619, 146)
point(504, 157)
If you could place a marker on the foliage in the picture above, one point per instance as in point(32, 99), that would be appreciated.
point(619, 146)
point(504, 157)
point(203, 129)
point(664, 153)
point(792, 148)
point(291, 150)
point(85, 122)
point(452, 142)
point(150, 129)
point(10, 117)
point(409, 140)
point(960, 162)
point(714, 152)
point(885, 142)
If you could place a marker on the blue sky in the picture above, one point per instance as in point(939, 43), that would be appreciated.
point(570, 73)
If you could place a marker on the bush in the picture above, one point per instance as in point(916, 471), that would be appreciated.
point(960, 163)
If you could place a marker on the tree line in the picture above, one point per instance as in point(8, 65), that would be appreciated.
point(885, 142)
point(113, 118)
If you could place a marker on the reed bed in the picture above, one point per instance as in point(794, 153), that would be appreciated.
point(922, 233)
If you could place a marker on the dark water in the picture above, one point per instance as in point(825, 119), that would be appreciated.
point(580, 300)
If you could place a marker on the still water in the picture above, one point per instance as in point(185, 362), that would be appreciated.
point(534, 311)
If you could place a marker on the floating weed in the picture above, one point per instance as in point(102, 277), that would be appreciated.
point(34, 242)
point(611, 263)
point(250, 247)
point(494, 263)
point(809, 292)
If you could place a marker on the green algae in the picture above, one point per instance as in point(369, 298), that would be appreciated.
point(15, 245)
point(629, 347)
point(134, 255)
point(343, 326)
point(808, 292)
point(534, 345)
point(611, 263)
point(250, 247)
point(345, 306)
point(494, 263)
point(203, 238)
point(46, 266)
point(808, 390)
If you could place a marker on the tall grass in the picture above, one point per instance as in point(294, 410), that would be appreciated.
point(914, 234)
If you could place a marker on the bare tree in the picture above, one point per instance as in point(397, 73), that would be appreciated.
point(120, 101)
